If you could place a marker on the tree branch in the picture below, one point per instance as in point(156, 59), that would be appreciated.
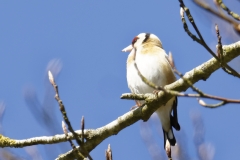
point(201, 72)
point(223, 6)
point(95, 136)
point(202, 41)
point(65, 117)
point(219, 15)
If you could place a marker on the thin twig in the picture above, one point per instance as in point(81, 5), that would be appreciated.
point(82, 128)
point(202, 41)
point(189, 83)
point(64, 114)
point(223, 6)
point(175, 93)
point(171, 60)
point(108, 153)
point(202, 103)
point(220, 50)
point(191, 20)
point(70, 141)
point(205, 6)
point(226, 100)
point(219, 46)
point(185, 26)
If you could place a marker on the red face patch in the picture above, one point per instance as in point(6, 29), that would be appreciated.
point(134, 40)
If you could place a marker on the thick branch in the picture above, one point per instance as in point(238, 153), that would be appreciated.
point(7, 142)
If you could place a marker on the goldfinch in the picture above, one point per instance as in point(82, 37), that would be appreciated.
point(153, 63)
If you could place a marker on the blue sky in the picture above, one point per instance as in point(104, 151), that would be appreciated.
point(83, 40)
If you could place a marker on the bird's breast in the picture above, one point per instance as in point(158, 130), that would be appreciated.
point(154, 67)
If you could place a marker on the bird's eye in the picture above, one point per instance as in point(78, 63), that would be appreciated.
point(134, 40)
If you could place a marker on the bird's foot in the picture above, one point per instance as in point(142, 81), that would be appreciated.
point(156, 92)
point(138, 104)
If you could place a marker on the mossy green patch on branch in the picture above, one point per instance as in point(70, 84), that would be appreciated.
point(5, 141)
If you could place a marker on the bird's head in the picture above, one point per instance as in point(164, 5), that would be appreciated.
point(143, 39)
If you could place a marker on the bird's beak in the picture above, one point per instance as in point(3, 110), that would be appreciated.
point(128, 49)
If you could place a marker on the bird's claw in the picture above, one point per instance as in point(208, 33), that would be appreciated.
point(156, 92)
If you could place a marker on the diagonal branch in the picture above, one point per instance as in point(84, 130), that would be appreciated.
point(223, 6)
point(95, 136)
point(201, 40)
point(65, 117)
point(216, 13)
point(201, 72)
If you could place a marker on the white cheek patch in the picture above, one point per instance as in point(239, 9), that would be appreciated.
point(128, 49)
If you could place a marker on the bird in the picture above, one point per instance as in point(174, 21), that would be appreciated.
point(153, 63)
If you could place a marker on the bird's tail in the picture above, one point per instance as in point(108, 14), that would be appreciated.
point(170, 137)
point(169, 120)
point(174, 117)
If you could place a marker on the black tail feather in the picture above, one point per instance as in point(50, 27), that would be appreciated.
point(174, 123)
point(174, 118)
point(172, 141)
